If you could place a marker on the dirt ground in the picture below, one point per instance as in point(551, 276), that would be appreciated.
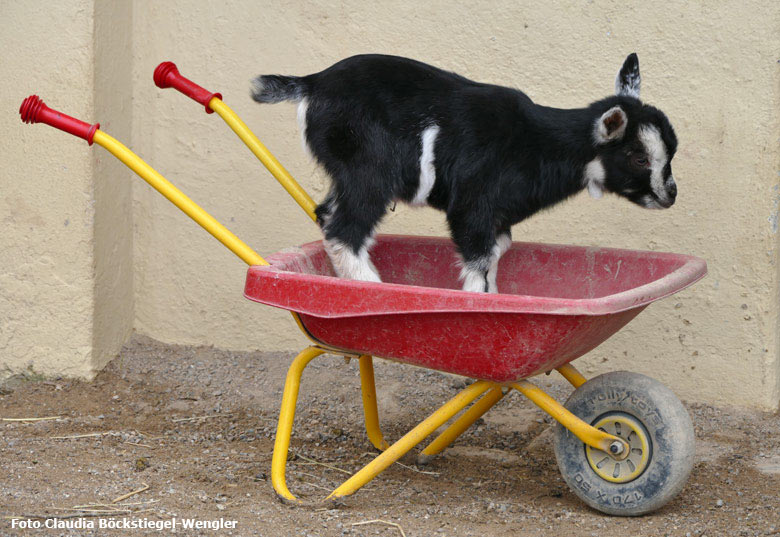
point(197, 425)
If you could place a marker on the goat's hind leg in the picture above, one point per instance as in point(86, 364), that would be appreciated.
point(348, 233)
point(351, 263)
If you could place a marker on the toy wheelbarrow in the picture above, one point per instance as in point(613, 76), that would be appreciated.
point(624, 443)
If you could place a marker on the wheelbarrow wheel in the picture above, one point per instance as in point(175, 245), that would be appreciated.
point(658, 429)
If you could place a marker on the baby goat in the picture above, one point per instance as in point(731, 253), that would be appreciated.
point(387, 128)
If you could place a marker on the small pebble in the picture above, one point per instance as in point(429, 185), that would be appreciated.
point(719, 503)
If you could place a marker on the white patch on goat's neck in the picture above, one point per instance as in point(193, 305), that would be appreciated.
point(655, 148)
point(351, 265)
point(303, 107)
point(427, 168)
point(594, 178)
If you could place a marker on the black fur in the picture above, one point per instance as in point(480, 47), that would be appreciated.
point(278, 88)
point(628, 79)
point(499, 157)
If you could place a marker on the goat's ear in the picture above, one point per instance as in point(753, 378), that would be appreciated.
point(611, 125)
point(628, 81)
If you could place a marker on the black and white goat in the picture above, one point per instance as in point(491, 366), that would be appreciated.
point(390, 129)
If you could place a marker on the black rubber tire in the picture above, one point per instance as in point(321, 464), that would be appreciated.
point(671, 434)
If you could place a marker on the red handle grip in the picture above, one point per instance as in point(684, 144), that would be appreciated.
point(167, 76)
point(33, 110)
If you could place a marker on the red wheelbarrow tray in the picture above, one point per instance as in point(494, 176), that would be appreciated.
point(555, 302)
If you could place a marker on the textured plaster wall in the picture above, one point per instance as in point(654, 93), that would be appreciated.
point(46, 201)
point(66, 250)
point(711, 66)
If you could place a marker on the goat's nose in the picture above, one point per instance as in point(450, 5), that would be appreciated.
point(672, 190)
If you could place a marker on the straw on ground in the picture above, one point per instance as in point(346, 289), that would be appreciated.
point(86, 435)
point(144, 488)
point(326, 465)
point(200, 418)
point(378, 521)
point(31, 419)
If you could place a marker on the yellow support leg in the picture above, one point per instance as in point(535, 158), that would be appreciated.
point(465, 421)
point(571, 374)
point(589, 435)
point(286, 417)
point(368, 390)
point(411, 439)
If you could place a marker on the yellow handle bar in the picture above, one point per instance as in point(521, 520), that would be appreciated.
point(178, 198)
point(261, 152)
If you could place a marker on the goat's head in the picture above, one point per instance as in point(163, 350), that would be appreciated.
point(635, 144)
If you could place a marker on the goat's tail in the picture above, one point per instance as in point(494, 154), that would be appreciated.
point(278, 88)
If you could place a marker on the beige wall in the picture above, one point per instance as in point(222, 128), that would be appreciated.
point(45, 197)
point(66, 250)
point(113, 315)
point(711, 66)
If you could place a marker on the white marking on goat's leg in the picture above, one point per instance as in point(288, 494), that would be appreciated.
point(474, 276)
point(594, 177)
point(503, 243)
point(350, 264)
point(303, 108)
point(479, 275)
point(427, 167)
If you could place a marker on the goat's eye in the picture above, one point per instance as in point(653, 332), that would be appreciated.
point(640, 161)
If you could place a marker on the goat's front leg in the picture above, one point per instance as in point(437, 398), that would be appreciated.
point(474, 275)
point(503, 243)
point(480, 247)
